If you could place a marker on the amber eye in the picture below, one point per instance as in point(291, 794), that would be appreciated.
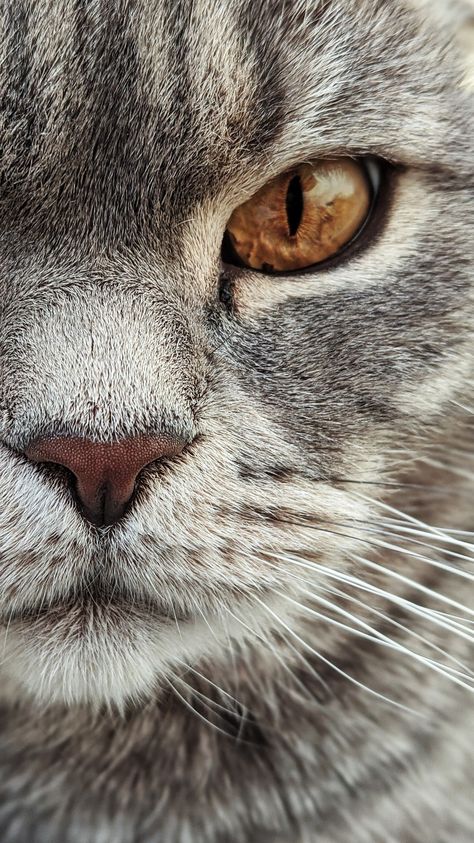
point(303, 217)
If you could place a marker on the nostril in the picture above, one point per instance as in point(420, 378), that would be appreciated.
point(105, 472)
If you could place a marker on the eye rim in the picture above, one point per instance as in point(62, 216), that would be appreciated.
point(380, 175)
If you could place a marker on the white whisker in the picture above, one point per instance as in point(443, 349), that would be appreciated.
point(413, 520)
point(279, 658)
point(334, 667)
point(350, 579)
point(194, 670)
point(194, 711)
point(377, 637)
point(469, 410)
point(408, 535)
point(386, 618)
point(375, 566)
point(411, 632)
point(414, 555)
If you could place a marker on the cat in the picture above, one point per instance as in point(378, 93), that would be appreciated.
point(236, 488)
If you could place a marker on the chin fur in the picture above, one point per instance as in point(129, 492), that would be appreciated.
point(85, 655)
point(113, 657)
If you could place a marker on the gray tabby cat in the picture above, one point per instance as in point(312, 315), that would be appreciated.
point(236, 491)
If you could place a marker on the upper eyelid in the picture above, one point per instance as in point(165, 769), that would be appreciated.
point(264, 175)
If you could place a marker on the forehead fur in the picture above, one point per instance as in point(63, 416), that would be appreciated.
point(119, 120)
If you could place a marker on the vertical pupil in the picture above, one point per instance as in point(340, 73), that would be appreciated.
point(294, 205)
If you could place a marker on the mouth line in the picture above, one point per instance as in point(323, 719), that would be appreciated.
point(97, 603)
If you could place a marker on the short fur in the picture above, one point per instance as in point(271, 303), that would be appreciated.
point(274, 644)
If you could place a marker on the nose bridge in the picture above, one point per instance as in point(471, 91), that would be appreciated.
point(99, 364)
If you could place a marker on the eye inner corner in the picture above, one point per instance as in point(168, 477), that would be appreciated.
point(294, 204)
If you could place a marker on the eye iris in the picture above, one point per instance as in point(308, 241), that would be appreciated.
point(303, 217)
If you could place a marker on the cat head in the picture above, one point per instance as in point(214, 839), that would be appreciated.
point(275, 407)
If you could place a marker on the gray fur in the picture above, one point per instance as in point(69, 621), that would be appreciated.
point(186, 676)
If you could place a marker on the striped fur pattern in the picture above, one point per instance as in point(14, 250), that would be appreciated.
point(275, 644)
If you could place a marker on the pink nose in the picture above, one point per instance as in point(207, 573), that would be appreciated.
point(106, 473)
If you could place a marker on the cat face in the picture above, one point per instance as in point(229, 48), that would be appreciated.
point(129, 137)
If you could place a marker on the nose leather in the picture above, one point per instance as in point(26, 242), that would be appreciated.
point(105, 472)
